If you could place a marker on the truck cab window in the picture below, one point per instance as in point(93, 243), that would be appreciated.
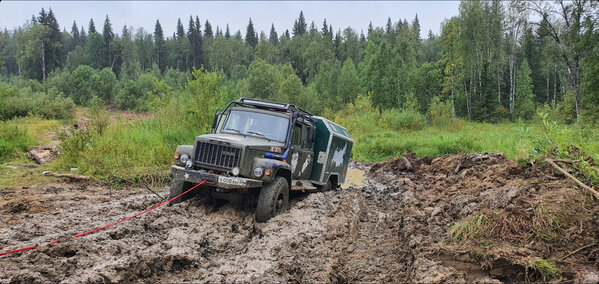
point(297, 134)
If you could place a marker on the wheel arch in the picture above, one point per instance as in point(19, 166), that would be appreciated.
point(284, 173)
point(334, 178)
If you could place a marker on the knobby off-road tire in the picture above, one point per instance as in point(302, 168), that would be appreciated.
point(178, 187)
point(273, 199)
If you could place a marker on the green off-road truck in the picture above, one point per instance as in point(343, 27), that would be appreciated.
point(263, 150)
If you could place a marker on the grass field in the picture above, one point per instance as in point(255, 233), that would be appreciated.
point(19, 135)
point(377, 138)
point(512, 139)
point(129, 150)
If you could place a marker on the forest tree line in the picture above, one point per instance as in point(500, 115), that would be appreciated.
point(495, 61)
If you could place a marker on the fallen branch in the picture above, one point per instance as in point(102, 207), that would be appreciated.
point(565, 161)
point(576, 251)
point(71, 176)
point(34, 155)
point(588, 188)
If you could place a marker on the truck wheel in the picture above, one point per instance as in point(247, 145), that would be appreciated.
point(178, 187)
point(273, 199)
point(327, 187)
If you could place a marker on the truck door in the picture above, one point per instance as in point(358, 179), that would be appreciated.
point(303, 155)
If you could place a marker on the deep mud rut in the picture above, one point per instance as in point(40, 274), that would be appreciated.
point(391, 228)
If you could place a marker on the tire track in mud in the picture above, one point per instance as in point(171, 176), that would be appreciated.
point(324, 237)
point(394, 228)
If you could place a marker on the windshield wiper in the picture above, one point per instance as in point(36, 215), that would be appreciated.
point(238, 131)
point(259, 134)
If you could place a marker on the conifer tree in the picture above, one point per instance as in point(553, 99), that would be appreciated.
point(92, 27)
point(300, 25)
point(75, 34)
point(389, 27)
point(108, 49)
point(83, 36)
point(273, 37)
point(524, 101)
point(180, 30)
point(160, 47)
point(251, 38)
point(227, 32)
point(208, 31)
point(325, 28)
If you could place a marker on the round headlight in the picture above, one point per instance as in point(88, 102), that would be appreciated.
point(235, 171)
point(184, 158)
point(258, 172)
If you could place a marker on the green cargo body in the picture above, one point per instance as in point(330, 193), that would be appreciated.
point(332, 148)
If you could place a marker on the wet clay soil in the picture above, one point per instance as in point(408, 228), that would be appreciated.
point(390, 227)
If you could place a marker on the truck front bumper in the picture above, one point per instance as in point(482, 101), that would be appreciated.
point(218, 181)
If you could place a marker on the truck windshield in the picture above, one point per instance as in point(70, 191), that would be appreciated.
point(271, 127)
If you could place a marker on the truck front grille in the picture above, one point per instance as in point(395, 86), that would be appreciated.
point(218, 155)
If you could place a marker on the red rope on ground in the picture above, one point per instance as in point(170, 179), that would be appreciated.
point(109, 225)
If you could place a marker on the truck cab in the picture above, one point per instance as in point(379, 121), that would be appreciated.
point(261, 148)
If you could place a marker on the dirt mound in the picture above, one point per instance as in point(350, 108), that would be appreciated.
point(519, 223)
point(465, 218)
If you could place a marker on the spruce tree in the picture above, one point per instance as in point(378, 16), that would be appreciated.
point(199, 50)
point(194, 36)
point(92, 27)
point(273, 37)
point(416, 28)
point(389, 27)
point(251, 38)
point(160, 47)
point(53, 49)
point(313, 29)
point(300, 25)
point(208, 31)
point(180, 30)
point(83, 36)
point(325, 28)
point(108, 36)
point(75, 34)
point(524, 100)
point(227, 32)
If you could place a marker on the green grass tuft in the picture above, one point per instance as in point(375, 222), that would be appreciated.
point(469, 228)
point(546, 269)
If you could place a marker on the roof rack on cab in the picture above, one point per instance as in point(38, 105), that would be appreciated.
point(269, 105)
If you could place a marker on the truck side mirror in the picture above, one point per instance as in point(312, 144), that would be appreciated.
point(215, 121)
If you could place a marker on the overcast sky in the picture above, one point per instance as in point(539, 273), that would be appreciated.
point(235, 13)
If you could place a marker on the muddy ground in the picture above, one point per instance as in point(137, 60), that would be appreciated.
point(397, 225)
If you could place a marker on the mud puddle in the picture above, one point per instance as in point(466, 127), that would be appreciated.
point(356, 176)
point(394, 225)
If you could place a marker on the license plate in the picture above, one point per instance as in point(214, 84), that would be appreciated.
point(231, 181)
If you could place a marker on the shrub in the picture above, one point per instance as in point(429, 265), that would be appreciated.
point(565, 111)
point(440, 113)
point(16, 102)
point(403, 119)
point(104, 84)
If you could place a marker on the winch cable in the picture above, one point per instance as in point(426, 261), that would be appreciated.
point(112, 224)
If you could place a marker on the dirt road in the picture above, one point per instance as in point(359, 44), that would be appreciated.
point(395, 227)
